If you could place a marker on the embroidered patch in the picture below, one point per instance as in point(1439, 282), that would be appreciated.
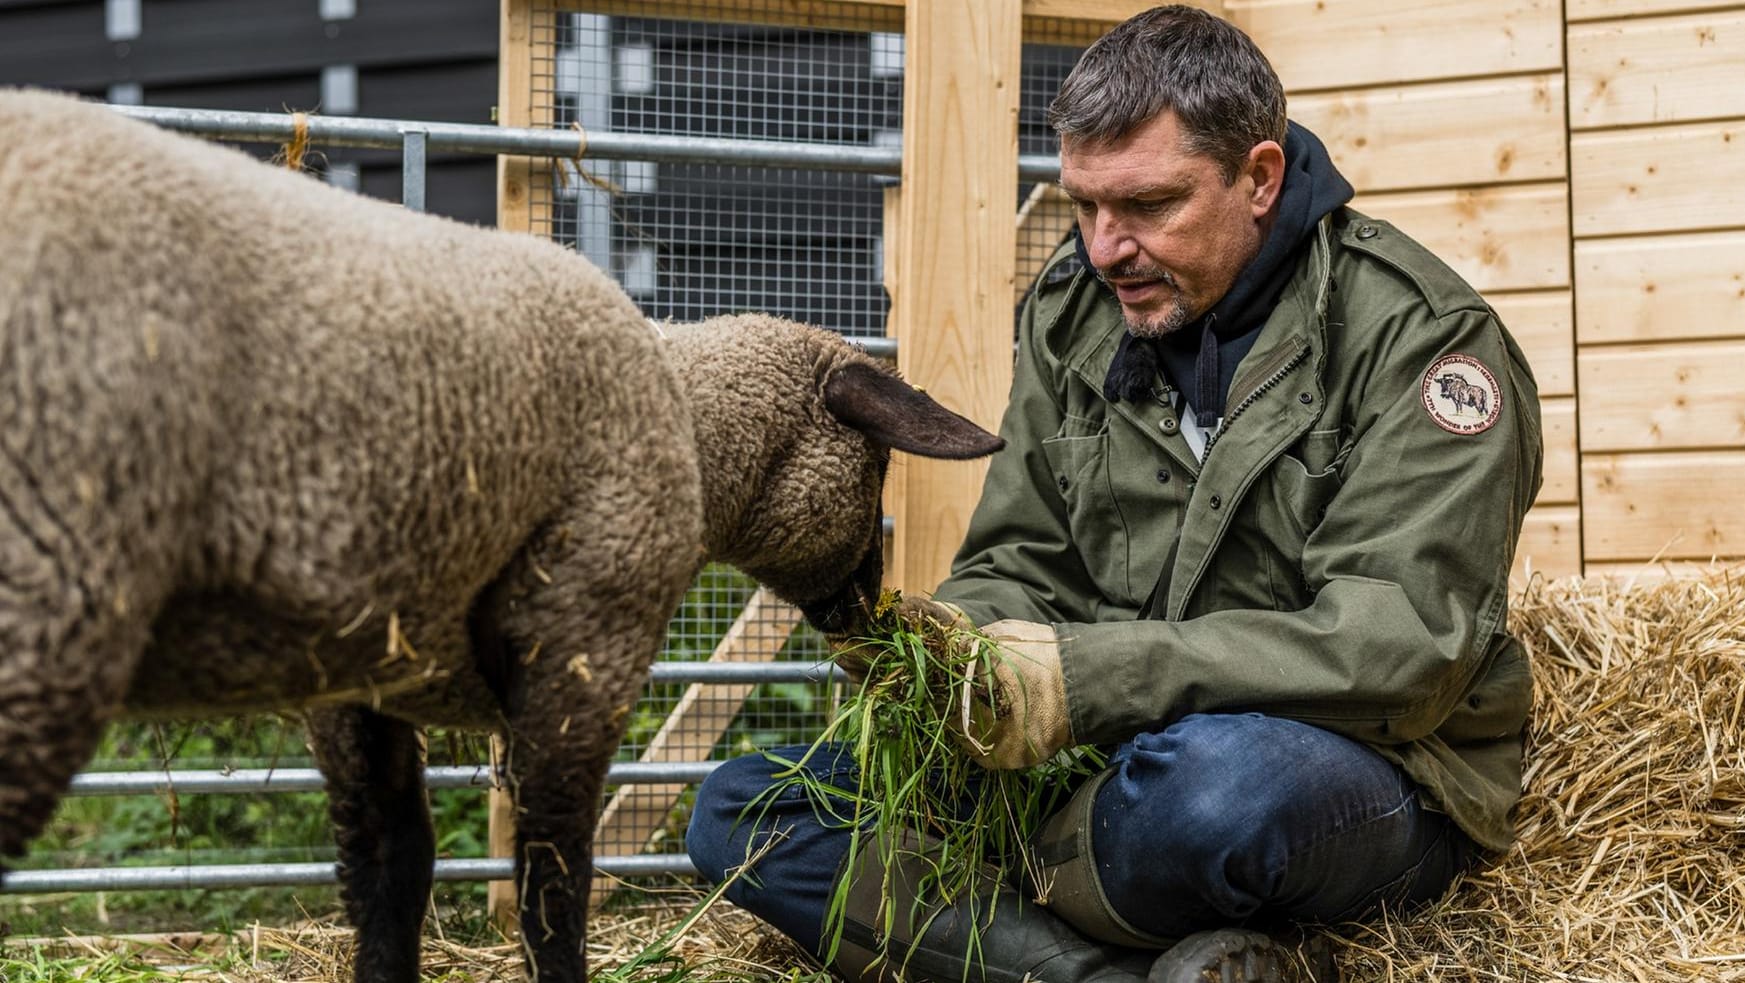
point(1462, 395)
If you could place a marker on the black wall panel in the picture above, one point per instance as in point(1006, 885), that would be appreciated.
point(415, 59)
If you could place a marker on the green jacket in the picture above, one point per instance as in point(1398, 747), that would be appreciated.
point(1341, 558)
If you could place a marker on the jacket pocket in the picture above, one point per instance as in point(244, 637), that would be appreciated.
point(1078, 457)
point(1290, 504)
point(1305, 478)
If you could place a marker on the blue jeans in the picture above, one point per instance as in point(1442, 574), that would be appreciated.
point(1215, 820)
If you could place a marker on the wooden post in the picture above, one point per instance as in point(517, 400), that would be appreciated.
point(515, 108)
point(956, 242)
point(514, 211)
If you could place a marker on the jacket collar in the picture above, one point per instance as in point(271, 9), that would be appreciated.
point(1087, 328)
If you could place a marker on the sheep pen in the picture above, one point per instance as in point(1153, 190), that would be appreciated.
point(273, 446)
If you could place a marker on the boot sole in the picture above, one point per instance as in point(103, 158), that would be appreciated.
point(1227, 955)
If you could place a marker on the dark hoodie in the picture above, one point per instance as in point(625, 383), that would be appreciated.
point(1201, 358)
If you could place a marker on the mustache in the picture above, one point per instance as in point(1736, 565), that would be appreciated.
point(1139, 271)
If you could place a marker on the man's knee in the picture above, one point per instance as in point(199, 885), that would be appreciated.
point(722, 819)
point(1208, 784)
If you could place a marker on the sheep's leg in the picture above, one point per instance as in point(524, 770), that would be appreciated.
point(583, 614)
point(557, 761)
point(555, 817)
point(374, 768)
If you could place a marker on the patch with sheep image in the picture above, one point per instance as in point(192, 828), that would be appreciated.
point(270, 445)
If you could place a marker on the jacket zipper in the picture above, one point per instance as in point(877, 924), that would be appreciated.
point(1253, 397)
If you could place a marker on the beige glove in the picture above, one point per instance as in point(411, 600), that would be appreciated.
point(852, 654)
point(1028, 721)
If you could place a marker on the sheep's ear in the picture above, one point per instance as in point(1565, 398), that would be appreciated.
point(897, 415)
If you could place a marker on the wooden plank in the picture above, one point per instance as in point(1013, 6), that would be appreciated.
point(1661, 571)
point(1550, 544)
point(1043, 220)
point(1105, 11)
point(1682, 505)
point(956, 254)
point(1562, 480)
point(1045, 21)
point(1586, 10)
point(1333, 44)
point(1541, 323)
point(833, 15)
point(1503, 238)
point(1660, 397)
point(515, 108)
point(1664, 70)
point(697, 723)
point(1660, 288)
point(1479, 131)
point(1076, 23)
point(501, 906)
point(1664, 179)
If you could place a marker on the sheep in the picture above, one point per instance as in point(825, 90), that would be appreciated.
point(270, 446)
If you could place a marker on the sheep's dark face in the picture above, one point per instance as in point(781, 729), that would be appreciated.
point(853, 602)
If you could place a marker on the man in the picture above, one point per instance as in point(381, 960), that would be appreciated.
point(1266, 463)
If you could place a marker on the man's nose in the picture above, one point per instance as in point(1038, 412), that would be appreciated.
point(1106, 242)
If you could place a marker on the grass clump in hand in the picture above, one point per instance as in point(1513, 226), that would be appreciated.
point(923, 683)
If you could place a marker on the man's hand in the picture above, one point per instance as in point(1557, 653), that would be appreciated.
point(1027, 721)
point(853, 654)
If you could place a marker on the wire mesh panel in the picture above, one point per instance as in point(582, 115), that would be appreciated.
point(1045, 216)
point(691, 240)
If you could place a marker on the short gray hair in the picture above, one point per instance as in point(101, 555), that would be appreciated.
point(1212, 75)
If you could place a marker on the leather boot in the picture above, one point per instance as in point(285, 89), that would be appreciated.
point(1001, 937)
point(1223, 955)
point(1004, 937)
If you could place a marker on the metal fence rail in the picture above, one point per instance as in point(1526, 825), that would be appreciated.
point(390, 134)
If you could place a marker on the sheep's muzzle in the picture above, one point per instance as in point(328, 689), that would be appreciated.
point(851, 604)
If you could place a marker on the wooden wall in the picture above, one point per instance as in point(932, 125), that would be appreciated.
point(1657, 179)
point(1582, 164)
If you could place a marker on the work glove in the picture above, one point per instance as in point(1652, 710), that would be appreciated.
point(1018, 718)
point(852, 654)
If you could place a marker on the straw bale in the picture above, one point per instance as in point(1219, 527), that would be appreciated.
point(1630, 863)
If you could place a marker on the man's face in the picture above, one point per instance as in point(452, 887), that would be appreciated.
point(1161, 225)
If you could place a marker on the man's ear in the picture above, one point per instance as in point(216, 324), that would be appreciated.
point(1266, 167)
point(897, 415)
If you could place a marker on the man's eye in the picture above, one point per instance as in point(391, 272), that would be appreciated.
point(1151, 207)
point(1084, 207)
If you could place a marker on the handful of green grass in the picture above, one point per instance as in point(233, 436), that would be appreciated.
point(913, 779)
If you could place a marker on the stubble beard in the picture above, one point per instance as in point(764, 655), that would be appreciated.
point(1167, 321)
